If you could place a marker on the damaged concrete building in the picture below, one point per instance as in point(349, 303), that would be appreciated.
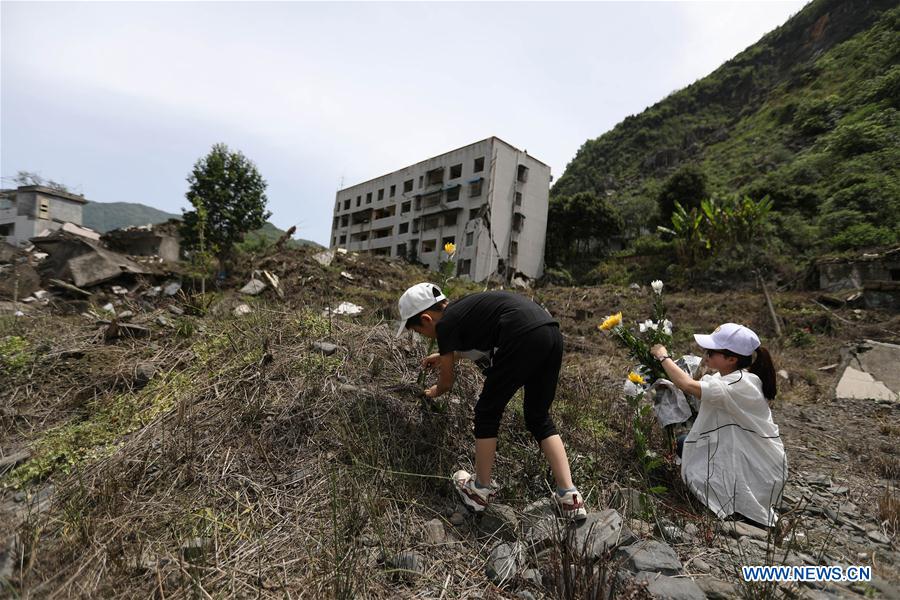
point(876, 276)
point(489, 198)
point(160, 240)
point(82, 261)
point(29, 210)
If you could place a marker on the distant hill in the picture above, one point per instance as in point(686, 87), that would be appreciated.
point(106, 216)
point(808, 115)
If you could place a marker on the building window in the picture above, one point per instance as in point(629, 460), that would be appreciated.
point(518, 198)
point(381, 194)
point(345, 220)
point(344, 239)
point(407, 185)
point(8, 229)
point(522, 174)
point(428, 245)
point(421, 181)
point(393, 191)
point(456, 171)
point(463, 267)
point(369, 198)
point(474, 213)
point(405, 207)
point(470, 237)
point(404, 228)
point(347, 204)
point(431, 200)
point(401, 250)
point(479, 165)
point(43, 208)
point(435, 176)
point(453, 194)
point(431, 222)
point(450, 219)
point(450, 239)
point(358, 200)
point(518, 221)
point(475, 188)
point(513, 248)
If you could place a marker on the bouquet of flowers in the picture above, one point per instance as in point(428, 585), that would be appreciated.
point(657, 330)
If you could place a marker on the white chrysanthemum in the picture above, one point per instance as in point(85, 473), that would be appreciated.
point(643, 327)
point(667, 330)
point(657, 286)
point(653, 326)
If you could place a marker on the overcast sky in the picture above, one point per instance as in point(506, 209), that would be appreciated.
point(118, 100)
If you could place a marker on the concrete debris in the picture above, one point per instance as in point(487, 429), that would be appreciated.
point(324, 258)
point(347, 276)
point(83, 261)
point(344, 308)
point(870, 372)
point(118, 290)
point(273, 281)
point(650, 555)
point(326, 348)
point(254, 287)
point(504, 563)
point(171, 288)
point(69, 287)
point(150, 240)
point(241, 310)
point(108, 307)
point(153, 292)
point(862, 386)
point(175, 310)
point(670, 588)
point(41, 294)
point(79, 230)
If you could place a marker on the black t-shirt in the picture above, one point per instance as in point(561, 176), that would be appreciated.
point(487, 320)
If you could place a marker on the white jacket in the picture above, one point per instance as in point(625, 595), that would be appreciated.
point(733, 458)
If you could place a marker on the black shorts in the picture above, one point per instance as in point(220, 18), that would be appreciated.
point(531, 360)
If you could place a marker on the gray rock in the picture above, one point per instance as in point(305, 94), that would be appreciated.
point(326, 348)
point(533, 576)
point(504, 562)
point(457, 519)
point(716, 588)
point(241, 310)
point(407, 566)
point(434, 532)
point(819, 480)
point(253, 287)
point(877, 536)
point(176, 310)
point(143, 373)
point(671, 588)
point(739, 529)
point(172, 288)
point(126, 314)
point(600, 532)
point(698, 564)
point(650, 555)
point(498, 520)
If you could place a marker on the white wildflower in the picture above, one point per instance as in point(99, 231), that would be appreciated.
point(657, 286)
point(653, 326)
point(667, 327)
point(643, 327)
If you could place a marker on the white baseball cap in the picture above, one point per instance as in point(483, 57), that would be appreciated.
point(730, 336)
point(419, 297)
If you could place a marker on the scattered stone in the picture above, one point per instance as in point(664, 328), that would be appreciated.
point(41, 294)
point(349, 388)
point(241, 309)
point(153, 292)
point(670, 588)
point(599, 532)
point(10, 462)
point(125, 314)
point(143, 373)
point(641, 528)
point(692, 530)
point(830, 367)
point(859, 385)
point(326, 348)
point(650, 555)
point(408, 566)
point(701, 565)
point(503, 563)
point(108, 307)
point(253, 287)
point(344, 308)
point(739, 529)
point(457, 519)
point(631, 501)
point(172, 288)
point(879, 537)
point(175, 310)
point(533, 576)
point(347, 276)
point(819, 480)
point(498, 520)
point(434, 532)
point(717, 589)
point(163, 322)
point(118, 290)
point(324, 258)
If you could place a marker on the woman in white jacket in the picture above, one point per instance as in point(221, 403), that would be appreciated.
point(733, 458)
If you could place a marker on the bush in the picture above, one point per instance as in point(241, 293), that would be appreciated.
point(815, 116)
point(863, 235)
point(651, 245)
point(612, 272)
point(859, 138)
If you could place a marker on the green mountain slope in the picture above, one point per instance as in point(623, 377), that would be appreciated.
point(808, 115)
point(106, 216)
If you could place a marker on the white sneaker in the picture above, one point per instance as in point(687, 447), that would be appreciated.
point(571, 505)
point(473, 497)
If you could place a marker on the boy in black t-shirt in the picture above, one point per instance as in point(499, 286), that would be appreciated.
point(524, 346)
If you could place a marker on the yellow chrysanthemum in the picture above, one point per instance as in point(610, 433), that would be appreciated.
point(610, 322)
point(450, 248)
point(635, 378)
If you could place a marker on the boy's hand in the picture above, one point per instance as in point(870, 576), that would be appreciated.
point(431, 361)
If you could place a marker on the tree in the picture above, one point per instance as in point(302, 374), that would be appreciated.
point(229, 189)
point(578, 226)
point(687, 186)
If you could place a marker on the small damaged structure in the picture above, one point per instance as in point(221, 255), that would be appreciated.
point(876, 276)
point(869, 372)
point(160, 240)
point(29, 210)
point(83, 261)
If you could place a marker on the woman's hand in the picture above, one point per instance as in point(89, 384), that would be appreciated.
point(659, 350)
point(431, 361)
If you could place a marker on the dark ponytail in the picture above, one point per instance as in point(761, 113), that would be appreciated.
point(763, 368)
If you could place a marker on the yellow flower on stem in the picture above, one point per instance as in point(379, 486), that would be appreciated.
point(635, 378)
point(450, 248)
point(610, 322)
